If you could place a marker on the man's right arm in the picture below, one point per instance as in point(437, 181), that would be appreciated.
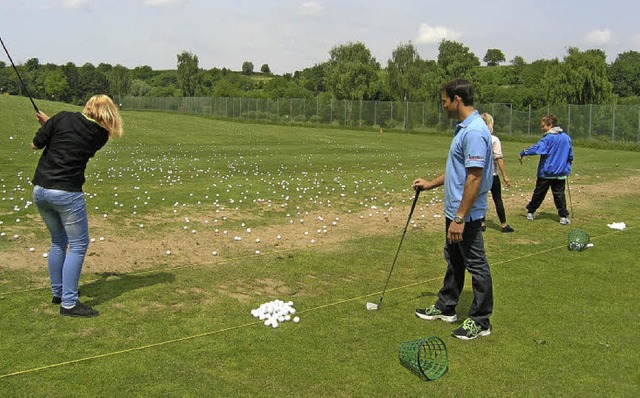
point(421, 184)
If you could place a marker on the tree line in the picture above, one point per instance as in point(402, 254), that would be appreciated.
point(351, 72)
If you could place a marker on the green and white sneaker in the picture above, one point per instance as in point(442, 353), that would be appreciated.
point(469, 330)
point(433, 313)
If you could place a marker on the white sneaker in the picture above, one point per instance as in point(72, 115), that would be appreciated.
point(564, 221)
point(530, 216)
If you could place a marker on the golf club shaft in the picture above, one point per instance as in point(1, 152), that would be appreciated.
point(569, 192)
point(413, 206)
point(19, 77)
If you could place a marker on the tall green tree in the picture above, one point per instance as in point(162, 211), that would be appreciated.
point(455, 60)
point(247, 68)
point(494, 57)
point(188, 73)
point(119, 81)
point(313, 79)
point(56, 85)
point(351, 72)
point(581, 79)
point(91, 81)
point(70, 71)
point(405, 70)
point(624, 73)
point(265, 69)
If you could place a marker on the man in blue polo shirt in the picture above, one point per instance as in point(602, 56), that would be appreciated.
point(467, 179)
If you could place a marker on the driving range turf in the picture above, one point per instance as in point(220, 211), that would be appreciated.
point(179, 324)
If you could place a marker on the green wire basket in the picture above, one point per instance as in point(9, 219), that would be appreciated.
point(577, 240)
point(427, 358)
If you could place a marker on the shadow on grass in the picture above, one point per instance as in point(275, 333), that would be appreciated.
point(112, 284)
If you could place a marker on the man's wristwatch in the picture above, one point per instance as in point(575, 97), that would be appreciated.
point(458, 220)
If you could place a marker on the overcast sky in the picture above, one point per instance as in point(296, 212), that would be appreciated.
point(291, 35)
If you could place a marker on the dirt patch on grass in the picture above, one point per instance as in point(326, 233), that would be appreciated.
point(169, 241)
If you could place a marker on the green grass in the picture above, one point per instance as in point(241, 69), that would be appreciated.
point(564, 322)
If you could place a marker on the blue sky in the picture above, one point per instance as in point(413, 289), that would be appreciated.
point(290, 35)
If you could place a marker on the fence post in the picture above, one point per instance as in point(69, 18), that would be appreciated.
point(529, 123)
point(375, 114)
point(569, 119)
point(345, 110)
point(510, 118)
point(590, 118)
point(331, 106)
point(613, 127)
point(424, 107)
point(360, 115)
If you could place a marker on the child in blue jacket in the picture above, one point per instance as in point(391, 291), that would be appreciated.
point(556, 156)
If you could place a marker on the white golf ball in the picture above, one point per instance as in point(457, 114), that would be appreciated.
point(32, 249)
point(168, 252)
point(101, 238)
point(296, 319)
point(214, 253)
point(45, 255)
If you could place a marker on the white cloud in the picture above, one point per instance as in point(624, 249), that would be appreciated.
point(164, 3)
point(311, 8)
point(599, 37)
point(75, 3)
point(435, 34)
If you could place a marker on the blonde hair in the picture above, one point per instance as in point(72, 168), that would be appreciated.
point(488, 120)
point(102, 109)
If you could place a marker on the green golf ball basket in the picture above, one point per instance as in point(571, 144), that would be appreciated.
point(577, 240)
point(427, 358)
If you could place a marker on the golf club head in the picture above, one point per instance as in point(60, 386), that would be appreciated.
point(372, 306)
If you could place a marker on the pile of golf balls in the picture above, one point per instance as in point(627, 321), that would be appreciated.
point(275, 312)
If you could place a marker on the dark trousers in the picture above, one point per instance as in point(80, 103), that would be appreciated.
point(496, 195)
point(540, 191)
point(468, 254)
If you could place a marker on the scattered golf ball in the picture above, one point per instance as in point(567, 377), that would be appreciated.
point(101, 238)
point(214, 253)
point(45, 255)
point(168, 252)
point(32, 249)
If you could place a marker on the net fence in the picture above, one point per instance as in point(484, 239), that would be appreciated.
point(619, 123)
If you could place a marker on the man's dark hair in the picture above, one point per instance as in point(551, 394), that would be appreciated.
point(550, 120)
point(460, 87)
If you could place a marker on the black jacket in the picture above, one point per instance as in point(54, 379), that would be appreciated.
point(69, 141)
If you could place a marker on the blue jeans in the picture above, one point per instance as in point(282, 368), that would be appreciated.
point(65, 214)
point(467, 255)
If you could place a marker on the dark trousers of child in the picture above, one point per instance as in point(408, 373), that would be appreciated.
point(540, 191)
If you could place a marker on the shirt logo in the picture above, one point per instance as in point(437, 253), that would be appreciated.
point(476, 157)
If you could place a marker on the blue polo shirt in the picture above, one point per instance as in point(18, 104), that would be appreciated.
point(470, 147)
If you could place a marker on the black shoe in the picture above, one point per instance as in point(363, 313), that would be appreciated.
point(79, 310)
point(507, 229)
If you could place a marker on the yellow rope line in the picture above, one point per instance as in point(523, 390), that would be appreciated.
point(178, 340)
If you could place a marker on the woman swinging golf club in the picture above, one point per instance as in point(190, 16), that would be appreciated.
point(69, 140)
